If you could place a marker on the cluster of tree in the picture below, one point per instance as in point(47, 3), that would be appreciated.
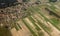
point(52, 13)
point(25, 0)
point(52, 0)
point(7, 3)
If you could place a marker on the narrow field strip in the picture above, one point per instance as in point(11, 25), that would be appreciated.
point(32, 20)
point(35, 23)
point(19, 26)
point(46, 18)
point(31, 30)
point(16, 27)
point(49, 20)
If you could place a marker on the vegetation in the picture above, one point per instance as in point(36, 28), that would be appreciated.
point(31, 30)
point(5, 32)
point(41, 33)
point(29, 11)
point(56, 21)
point(52, 0)
point(19, 26)
point(25, 0)
point(16, 27)
point(33, 21)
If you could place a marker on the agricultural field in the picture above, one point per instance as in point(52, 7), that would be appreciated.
point(36, 18)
